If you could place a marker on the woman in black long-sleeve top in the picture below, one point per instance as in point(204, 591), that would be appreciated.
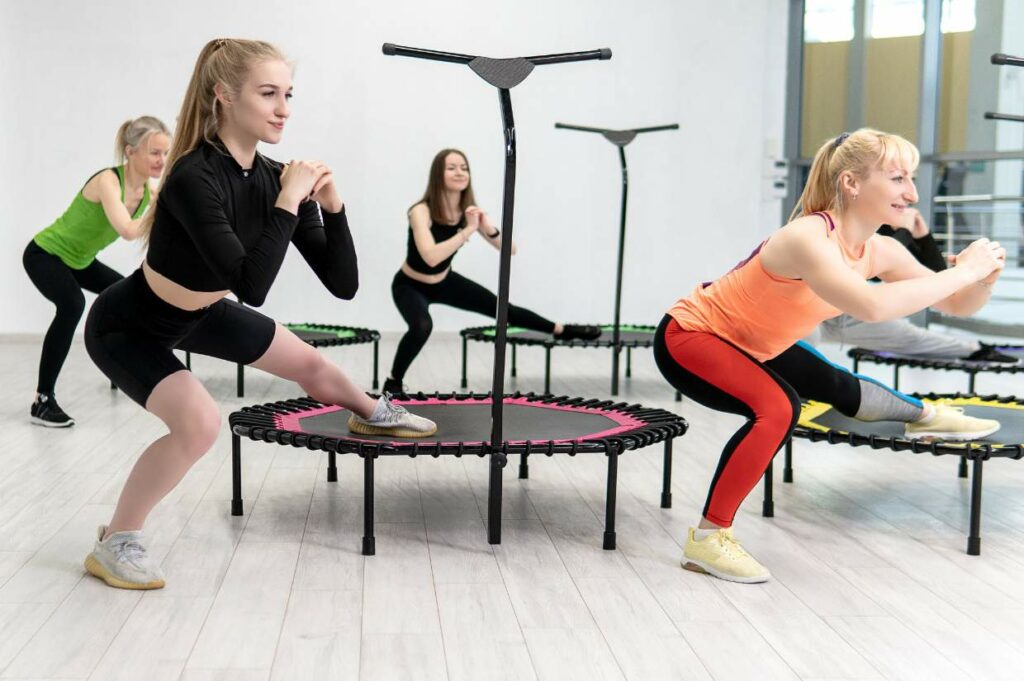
point(222, 224)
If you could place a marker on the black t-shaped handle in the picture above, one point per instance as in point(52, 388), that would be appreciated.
point(619, 138)
point(501, 73)
point(993, 116)
point(1007, 60)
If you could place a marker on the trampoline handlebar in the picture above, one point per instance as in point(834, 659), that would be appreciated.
point(657, 128)
point(1007, 60)
point(584, 128)
point(392, 50)
point(587, 55)
point(992, 116)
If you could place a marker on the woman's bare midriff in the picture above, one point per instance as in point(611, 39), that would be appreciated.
point(425, 278)
point(176, 294)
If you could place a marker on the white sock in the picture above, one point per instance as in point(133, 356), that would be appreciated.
point(928, 413)
point(703, 533)
point(380, 410)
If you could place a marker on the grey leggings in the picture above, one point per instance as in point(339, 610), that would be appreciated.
point(897, 335)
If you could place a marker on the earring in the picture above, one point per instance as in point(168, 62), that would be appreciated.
point(855, 196)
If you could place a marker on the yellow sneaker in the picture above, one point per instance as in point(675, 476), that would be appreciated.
point(950, 423)
point(720, 555)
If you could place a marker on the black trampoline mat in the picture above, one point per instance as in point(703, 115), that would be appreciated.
point(308, 336)
point(1011, 433)
point(1011, 350)
point(472, 423)
point(605, 337)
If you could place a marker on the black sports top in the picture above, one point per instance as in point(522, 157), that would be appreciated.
point(924, 248)
point(441, 232)
point(216, 227)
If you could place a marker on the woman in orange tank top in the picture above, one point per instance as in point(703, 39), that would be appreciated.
point(732, 344)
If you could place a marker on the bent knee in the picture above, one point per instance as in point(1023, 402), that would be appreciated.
point(422, 328)
point(199, 429)
point(779, 414)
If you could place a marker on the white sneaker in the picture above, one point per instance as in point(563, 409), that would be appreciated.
point(392, 419)
point(122, 561)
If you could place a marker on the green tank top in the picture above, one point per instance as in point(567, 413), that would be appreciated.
point(84, 230)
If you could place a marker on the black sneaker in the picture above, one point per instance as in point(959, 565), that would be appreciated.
point(46, 412)
point(989, 353)
point(393, 386)
point(579, 332)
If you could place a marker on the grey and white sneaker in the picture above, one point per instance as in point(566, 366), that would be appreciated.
point(122, 561)
point(392, 419)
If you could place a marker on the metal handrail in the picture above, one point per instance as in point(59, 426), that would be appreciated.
point(978, 198)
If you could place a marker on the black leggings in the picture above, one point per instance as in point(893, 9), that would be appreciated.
point(413, 299)
point(130, 334)
point(63, 287)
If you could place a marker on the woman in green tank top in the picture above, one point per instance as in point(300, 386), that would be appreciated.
point(61, 259)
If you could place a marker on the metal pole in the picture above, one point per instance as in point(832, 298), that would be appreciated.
point(501, 323)
point(616, 333)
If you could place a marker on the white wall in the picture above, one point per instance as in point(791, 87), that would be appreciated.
point(72, 71)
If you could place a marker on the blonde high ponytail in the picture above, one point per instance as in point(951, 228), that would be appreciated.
point(857, 152)
point(226, 61)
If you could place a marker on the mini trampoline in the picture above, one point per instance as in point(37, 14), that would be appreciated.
point(532, 425)
point(972, 368)
point(630, 336)
point(475, 424)
point(821, 423)
point(321, 336)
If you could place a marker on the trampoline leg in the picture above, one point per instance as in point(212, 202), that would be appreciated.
point(524, 467)
point(768, 507)
point(376, 364)
point(514, 361)
point(856, 365)
point(241, 380)
point(236, 475)
point(974, 538)
point(547, 370)
point(787, 470)
point(666, 476)
point(494, 502)
point(615, 370)
point(112, 386)
point(896, 377)
point(962, 471)
point(332, 467)
point(188, 360)
point(369, 541)
point(970, 382)
point(463, 384)
point(679, 396)
point(609, 509)
point(629, 362)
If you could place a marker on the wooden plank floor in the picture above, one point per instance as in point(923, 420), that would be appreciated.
point(867, 551)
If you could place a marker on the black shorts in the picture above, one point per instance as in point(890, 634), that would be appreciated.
point(130, 334)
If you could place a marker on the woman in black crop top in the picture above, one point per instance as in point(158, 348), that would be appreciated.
point(222, 224)
point(439, 224)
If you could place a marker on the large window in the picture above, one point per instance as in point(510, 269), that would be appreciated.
point(871, 74)
point(828, 21)
point(898, 18)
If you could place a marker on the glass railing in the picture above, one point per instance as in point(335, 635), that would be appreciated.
point(959, 220)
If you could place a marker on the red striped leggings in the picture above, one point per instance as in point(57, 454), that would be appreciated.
point(720, 376)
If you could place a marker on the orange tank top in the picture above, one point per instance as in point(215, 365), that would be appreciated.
point(759, 312)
